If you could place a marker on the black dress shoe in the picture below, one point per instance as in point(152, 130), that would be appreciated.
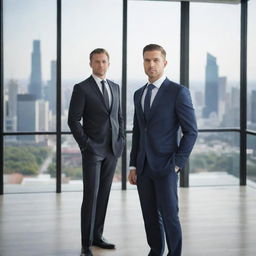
point(86, 252)
point(102, 243)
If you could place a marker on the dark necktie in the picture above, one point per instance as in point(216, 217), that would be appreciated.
point(105, 93)
point(147, 101)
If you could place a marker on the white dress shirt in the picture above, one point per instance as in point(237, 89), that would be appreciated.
point(98, 82)
point(157, 85)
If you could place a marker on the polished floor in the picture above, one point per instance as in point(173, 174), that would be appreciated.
point(215, 220)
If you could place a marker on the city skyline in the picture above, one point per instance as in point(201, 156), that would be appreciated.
point(220, 36)
point(218, 98)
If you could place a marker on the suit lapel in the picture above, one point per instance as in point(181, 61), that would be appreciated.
point(95, 87)
point(139, 106)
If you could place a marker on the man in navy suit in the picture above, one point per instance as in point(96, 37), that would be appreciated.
point(96, 100)
point(161, 107)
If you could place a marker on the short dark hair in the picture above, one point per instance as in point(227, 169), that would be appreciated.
point(98, 51)
point(154, 47)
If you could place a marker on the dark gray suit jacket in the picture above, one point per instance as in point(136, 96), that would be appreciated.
point(101, 126)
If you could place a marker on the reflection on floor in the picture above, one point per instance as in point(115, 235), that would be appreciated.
point(215, 221)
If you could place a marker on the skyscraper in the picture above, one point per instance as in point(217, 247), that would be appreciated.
point(33, 116)
point(211, 86)
point(27, 111)
point(53, 87)
point(11, 107)
point(222, 97)
point(35, 86)
point(50, 89)
point(253, 109)
point(43, 119)
point(235, 110)
point(199, 98)
point(222, 88)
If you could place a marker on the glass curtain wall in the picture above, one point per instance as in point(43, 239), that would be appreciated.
point(85, 27)
point(29, 94)
point(30, 82)
point(214, 83)
point(251, 94)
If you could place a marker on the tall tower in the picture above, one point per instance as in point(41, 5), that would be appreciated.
point(222, 97)
point(13, 92)
point(11, 107)
point(211, 86)
point(53, 86)
point(50, 89)
point(27, 112)
point(35, 86)
point(253, 108)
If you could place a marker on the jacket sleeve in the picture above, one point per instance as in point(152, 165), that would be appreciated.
point(187, 121)
point(76, 109)
point(135, 139)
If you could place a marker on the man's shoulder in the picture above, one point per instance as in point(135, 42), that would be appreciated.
point(174, 86)
point(112, 83)
point(84, 83)
point(138, 91)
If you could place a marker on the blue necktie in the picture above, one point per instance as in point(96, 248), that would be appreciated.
point(147, 101)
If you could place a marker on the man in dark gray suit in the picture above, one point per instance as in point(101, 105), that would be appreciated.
point(96, 100)
point(161, 108)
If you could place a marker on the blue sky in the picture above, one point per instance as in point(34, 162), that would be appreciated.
point(87, 24)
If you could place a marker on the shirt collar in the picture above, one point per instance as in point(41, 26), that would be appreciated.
point(97, 79)
point(158, 82)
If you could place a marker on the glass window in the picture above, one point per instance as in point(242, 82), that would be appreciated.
point(215, 64)
point(251, 160)
point(72, 174)
point(215, 159)
point(29, 163)
point(85, 27)
point(251, 67)
point(29, 65)
point(150, 22)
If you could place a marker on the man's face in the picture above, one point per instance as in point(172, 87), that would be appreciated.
point(154, 64)
point(99, 64)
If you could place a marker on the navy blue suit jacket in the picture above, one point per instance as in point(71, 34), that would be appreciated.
point(157, 140)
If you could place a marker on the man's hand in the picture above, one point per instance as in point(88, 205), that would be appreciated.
point(133, 176)
point(177, 169)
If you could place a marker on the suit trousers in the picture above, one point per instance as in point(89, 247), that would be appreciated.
point(98, 175)
point(159, 204)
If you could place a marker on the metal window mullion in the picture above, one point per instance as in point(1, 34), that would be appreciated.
point(184, 69)
point(58, 101)
point(124, 93)
point(1, 102)
point(243, 92)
